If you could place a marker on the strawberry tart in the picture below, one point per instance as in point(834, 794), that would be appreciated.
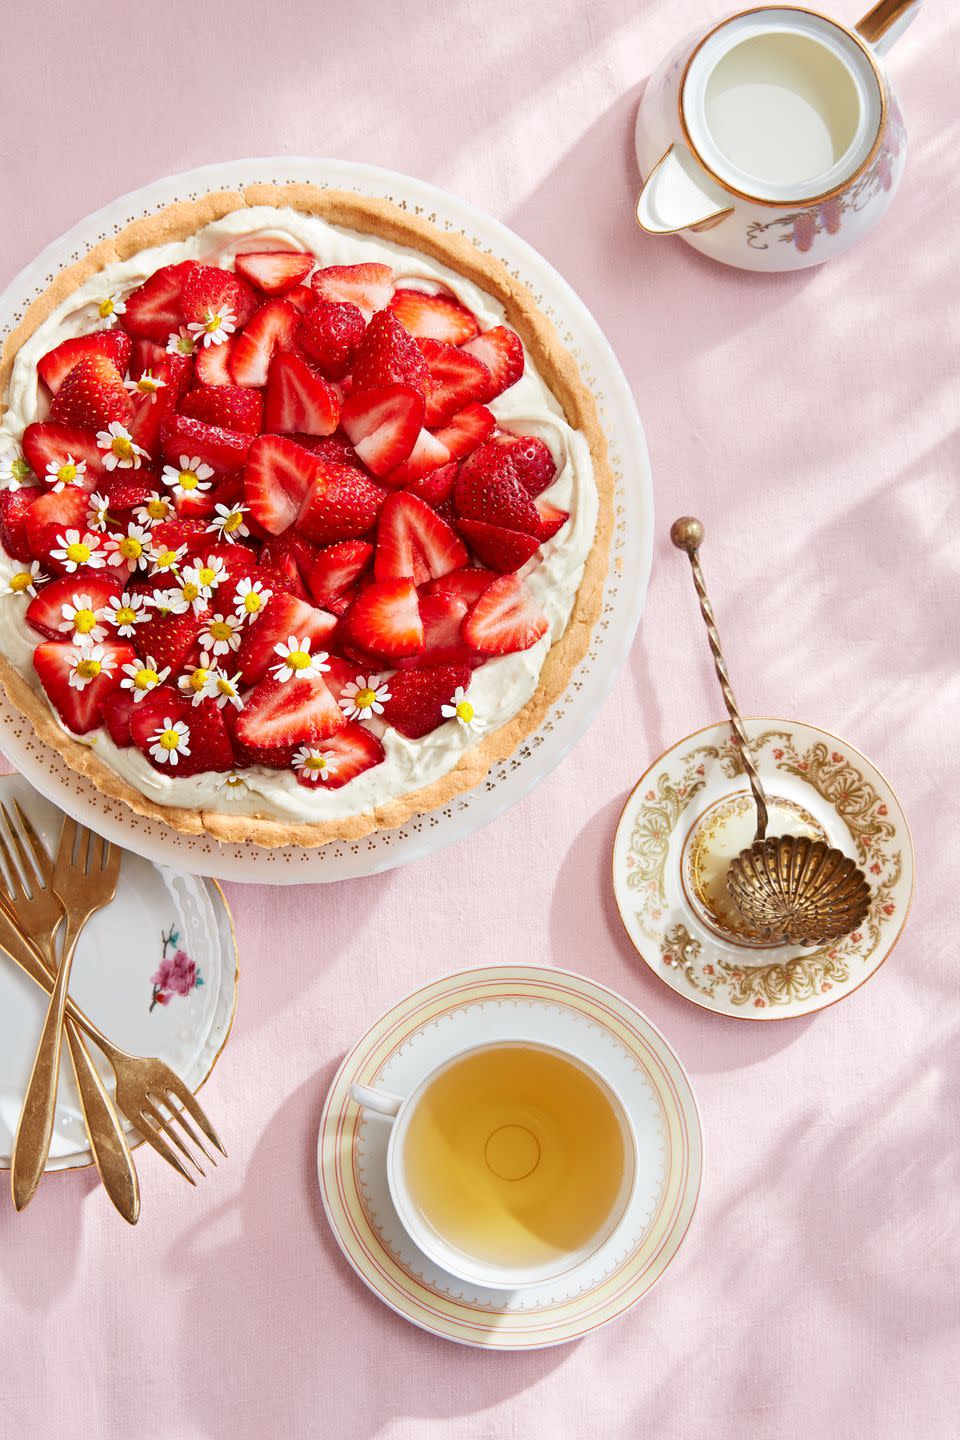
point(304, 515)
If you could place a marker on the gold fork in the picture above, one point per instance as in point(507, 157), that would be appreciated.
point(84, 885)
point(144, 1087)
point(108, 1143)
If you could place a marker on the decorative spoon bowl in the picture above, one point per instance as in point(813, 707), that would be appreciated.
point(792, 889)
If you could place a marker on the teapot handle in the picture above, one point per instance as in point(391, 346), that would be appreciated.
point(882, 26)
point(675, 197)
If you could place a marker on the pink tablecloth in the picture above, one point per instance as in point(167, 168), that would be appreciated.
point(812, 421)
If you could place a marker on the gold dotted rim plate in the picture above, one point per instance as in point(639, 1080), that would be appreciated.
point(512, 1003)
point(691, 812)
point(624, 588)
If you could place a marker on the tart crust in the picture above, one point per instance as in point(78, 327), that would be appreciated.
point(387, 221)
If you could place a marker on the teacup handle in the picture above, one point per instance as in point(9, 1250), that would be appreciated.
point(382, 1101)
point(882, 26)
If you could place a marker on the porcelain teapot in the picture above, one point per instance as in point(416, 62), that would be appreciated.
point(773, 140)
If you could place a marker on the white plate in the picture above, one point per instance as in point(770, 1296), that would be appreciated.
point(121, 950)
point(624, 592)
point(503, 1003)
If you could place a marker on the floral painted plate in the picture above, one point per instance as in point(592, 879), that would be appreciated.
point(692, 812)
point(156, 970)
point(504, 1003)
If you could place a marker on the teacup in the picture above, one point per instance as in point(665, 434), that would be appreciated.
point(773, 140)
point(510, 1163)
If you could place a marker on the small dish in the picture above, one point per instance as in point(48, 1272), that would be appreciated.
point(502, 1003)
point(156, 971)
point(692, 813)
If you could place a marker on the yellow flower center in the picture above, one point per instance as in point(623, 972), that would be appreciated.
point(190, 591)
point(315, 762)
point(126, 616)
point(88, 669)
point(131, 548)
point(232, 522)
point(298, 660)
point(122, 447)
point(365, 698)
point(78, 553)
point(224, 687)
point(185, 344)
point(67, 473)
point(158, 510)
point(166, 560)
point(189, 480)
point(208, 575)
point(212, 323)
point(147, 385)
point(252, 602)
point(170, 740)
point(106, 308)
point(465, 711)
point(21, 582)
point(84, 621)
point(199, 679)
point(220, 629)
point(20, 469)
point(146, 679)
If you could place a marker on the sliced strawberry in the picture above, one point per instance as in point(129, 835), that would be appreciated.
point(388, 355)
point(436, 486)
point(152, 411)
point(15, 506)
point(212, 364)
point(282, 617)
point(501, 549)
point(368, 286)
point(468, 429)
point(413, 541)
point(45, 611)
point(341, 504)
point(302, 297)
point(349, 753)
point(501, 351)
point(174, 533)
point(383, 425)
point(117, 712)
point(278, 476)
point(143, 355)
point(124, 493)
point(208, 739)
point(296, 712)
point(384, 620)
point(91, 395)
point(153, 309)
point(208, 289)
point(442, 615)
point(298, 399)
point(488, 489)
point(332, 447)
point(170, 638)
point(434, 317)
point(428, 454)
point(457, 379)
point(55, 511)
point(504, 619)
point(79, 710)
point(417, 697)
point(274, 271)
point(552, 519)
point(337, 568)
point(225, 450)
point(231, 406)
point(288, 558)
point(467, 585)
point(330, 334)
point(272, 328)
point(532, 460)
point(339, 604)
point(58, 362)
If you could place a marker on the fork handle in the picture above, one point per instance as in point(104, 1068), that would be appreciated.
point(108, 1143)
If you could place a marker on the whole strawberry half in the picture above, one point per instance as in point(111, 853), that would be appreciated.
point(487, 488)
point(417, 697)
point(532, 461)
point(284, 616)
point(15, 505)
point(271, 329)
point(457, 379)
point(58, 362)
point(368, 286)
point(79, 706)
point(389, 355)
point(505, 618)
point(413, 541)
point(384, 620)
point(434, 317)
point(49, 442)
point(208, 289)
point(225, 450)
point(293, 712)
point(274, 271)
point(298, 399)
point(207, 740)
point(45, 611)
point(341, 503)
point(153, 309)
point(170, 638)
point(330, 334)
point(501, 351)
point(347, 754)
point(91, 395)
point(234, 407)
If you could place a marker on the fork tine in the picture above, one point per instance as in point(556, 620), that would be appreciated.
point(150, 1130)
point(152, 1110)
point(40, 852)
point(12, 883)
point(68, 835)
point(179, 1117)
point(112, 855)
point(28, 870)
point(94, 852)
point(182, 1092)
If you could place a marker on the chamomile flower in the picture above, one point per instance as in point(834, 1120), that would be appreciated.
point(200, 682)
point(364, 697)
point(226, 689)
point(125, 612)
point(206, 576)
point(170, 742)
point(313, 764)
point(148, 384)
point(296, 660)
point(190, 478)
point(231, 785)
point(181, 342)
point(251, 599)
point(221, 634)
point(22, 580)
point(228, 522)
point(108, 309)
point(121, 451)
point(142, 676)
point(155, 508)
point(165, 561)
point(81, 621)
point(65, 472)
point(215, 327)
point(130, 549)
point(13, 468)
point(177, 601)
point(461, 710)
point(86, 663)
point(76, 550)
point(98, 517)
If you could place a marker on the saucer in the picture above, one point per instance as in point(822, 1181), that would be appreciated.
point(692, 813)
point(155, 970)
point(499, 1003)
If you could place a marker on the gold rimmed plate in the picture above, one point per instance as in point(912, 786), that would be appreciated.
point(692, 812)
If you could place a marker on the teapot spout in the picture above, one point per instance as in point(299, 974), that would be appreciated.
point(675, 197)
point(882, 26)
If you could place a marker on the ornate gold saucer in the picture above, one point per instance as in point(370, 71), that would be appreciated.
point(693, 812)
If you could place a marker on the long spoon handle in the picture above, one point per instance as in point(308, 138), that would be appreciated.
point(687, 534)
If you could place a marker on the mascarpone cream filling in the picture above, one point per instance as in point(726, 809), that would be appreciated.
point(498, 690)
